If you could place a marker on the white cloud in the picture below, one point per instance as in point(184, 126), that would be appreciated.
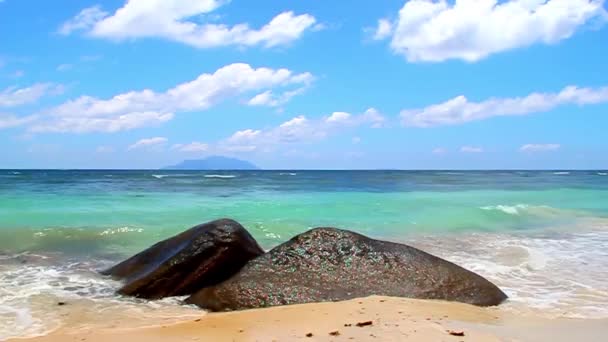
point(268, 98)
point(370, 116)
point(539, 147)
point(471, 149)
point(297, 130)
point(356, 140)
point(8, 120)
point(374, 117)
point(168, 19)
point(13, 96)
point(149, 143)
point(437, 30)
point(85, 20)
point(111, 124)
point(384, 29)
point(194, 146)
point(459, 110)
point(439, 150)
point(146, 107)
point(262, 99)
point(243, 136)
point(338, 117)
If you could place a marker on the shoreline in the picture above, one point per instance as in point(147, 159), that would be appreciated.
point(392, 319)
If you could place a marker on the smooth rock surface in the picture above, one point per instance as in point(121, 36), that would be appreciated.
point(201, 256)
point(328, 264)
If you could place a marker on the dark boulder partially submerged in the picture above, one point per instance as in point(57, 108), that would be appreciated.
point(202, 256)
point(327, 264)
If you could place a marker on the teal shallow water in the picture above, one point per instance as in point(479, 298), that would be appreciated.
point(541, 235)
point(99, 205)
point(40, 221)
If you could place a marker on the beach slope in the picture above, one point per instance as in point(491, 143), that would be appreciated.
point(369, 319)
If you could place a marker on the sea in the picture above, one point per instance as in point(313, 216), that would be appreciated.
point(542, 236)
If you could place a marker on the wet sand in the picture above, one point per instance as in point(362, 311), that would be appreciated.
point(368, 319)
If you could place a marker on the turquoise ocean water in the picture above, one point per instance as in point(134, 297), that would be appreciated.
point(540, 235)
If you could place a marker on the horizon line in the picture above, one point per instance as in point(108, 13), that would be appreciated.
point(281, 169)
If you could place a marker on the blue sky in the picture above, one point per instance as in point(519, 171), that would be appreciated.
point(416, 84)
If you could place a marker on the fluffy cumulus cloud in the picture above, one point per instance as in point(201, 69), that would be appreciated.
point(299, 129)
point(460, 110)
point(13, 96)
point(155, 142)
point(539, 147)
point(434, 31)
point(172, 20)
point(146, 107)
point(370, 116)
point(471, 149)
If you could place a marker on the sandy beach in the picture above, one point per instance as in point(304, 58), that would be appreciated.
point(369, 319)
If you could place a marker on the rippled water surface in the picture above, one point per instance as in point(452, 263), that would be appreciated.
point(540, 235)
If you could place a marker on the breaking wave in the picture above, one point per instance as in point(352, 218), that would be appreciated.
point(526, 209)
point(220, 176)
point(559, 274)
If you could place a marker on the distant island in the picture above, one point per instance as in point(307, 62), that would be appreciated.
point(213, 163)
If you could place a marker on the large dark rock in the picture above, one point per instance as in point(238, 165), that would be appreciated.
point(328, 264)
point(201, 256)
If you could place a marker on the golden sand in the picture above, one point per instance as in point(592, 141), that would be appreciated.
point(392, 319)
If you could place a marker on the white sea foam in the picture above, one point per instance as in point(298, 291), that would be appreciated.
point(557, 274)
point(121, 230)
point(220, 176)
point(288, 174)
point(29, 294)
point(563, 173)
point(16, 172)
point(173, 175)
point(507, 209)
point(521, 209)
point(602, 174)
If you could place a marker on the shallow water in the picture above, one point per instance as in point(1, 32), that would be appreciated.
point(539, 235)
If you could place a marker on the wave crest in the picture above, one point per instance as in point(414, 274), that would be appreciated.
point(220, 176)
point(532, 210)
